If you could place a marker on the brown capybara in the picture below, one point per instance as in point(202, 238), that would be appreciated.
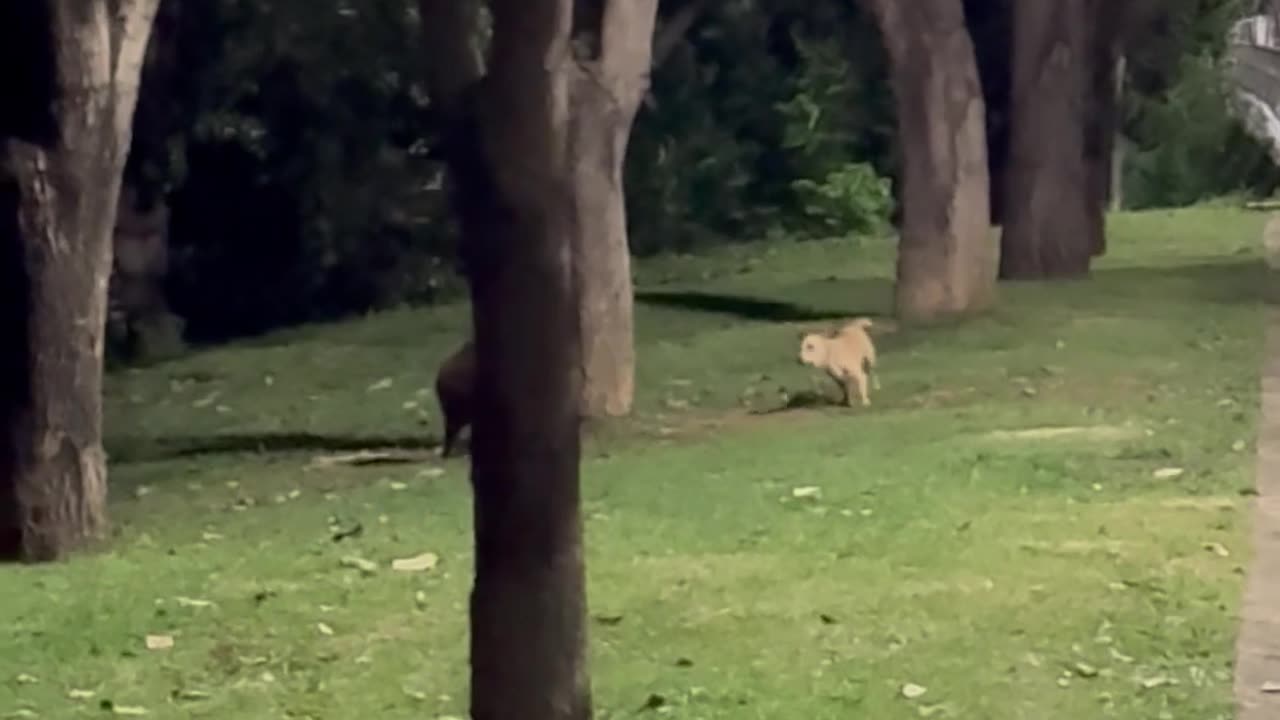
point(848, 356)
point(455, 382)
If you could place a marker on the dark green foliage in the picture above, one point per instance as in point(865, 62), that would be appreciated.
point(765, 115)
point(294, 143)
point(1194, 148)
point(304, 185)
point(1188, 146)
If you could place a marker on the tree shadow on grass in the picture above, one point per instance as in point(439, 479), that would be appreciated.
point(1226, 282)
point(133, 450)
point(740, 306)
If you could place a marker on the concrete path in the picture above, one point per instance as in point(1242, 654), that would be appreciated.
point(1257, 669)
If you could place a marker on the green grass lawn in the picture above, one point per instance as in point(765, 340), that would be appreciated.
point(996, 528)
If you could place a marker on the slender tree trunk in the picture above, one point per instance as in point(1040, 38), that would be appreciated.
point(1102, 121)
point(602, 257)
point(1050, 223)
point(68, 192)
point(607, 92)
point(946, 256)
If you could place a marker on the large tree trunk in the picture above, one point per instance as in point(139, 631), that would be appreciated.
point(946, 256)
point(1049, 222)
point(68, 190)
point(528, 602)
point(521, 142)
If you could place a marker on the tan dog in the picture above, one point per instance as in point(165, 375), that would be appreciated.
point(848, 356)
point(455, 382)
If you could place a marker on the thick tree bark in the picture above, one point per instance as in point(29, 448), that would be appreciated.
point(946, 256)
point(66, 210)
point(1049, 222)
point(524, 140)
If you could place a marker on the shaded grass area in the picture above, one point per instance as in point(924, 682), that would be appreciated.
point(995, 529)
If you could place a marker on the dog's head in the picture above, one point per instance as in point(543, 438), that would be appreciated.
point(813, 349)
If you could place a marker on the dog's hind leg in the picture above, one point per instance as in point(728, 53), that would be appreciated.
point(861, 380)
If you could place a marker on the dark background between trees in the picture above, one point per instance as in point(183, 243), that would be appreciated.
point(295, 147)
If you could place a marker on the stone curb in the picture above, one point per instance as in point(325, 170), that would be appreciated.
point(1257, 665)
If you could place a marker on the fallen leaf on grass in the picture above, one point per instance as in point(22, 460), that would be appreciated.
point(367, 567)
point(25, 679)
point(159, 642)
point(340, 534)
point(417, 563)
point(911, 691)
point(382, 384)
point(1085, 670)
point(807, 491)
point(76, 694)
point(207, 400)
point(1217, 549)
point(192, 695)
point(1154, 682)
point(22, 713)
point(1167, 473)
point(324, 629)
point(126, 710)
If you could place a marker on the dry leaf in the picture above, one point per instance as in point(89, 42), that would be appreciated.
point(1167, 473)
point(368, 567)
point(808, 491)
point(382, 384)
point(911, 691)
point(418, 563)
point(128, 710)
point(75, 694)
point(159, 642)
point(324, 629)
point(1217, 549)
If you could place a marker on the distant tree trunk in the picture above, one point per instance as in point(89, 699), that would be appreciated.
point(946, 257)
point(519, 138)
point(146, 325)
point(601, 126)
point(1049, 216)
point(67, 193)
point(607, 90)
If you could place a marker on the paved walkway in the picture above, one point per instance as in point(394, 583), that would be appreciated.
point(1257, 681)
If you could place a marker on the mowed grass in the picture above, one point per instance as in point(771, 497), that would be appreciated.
point(996, 529)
